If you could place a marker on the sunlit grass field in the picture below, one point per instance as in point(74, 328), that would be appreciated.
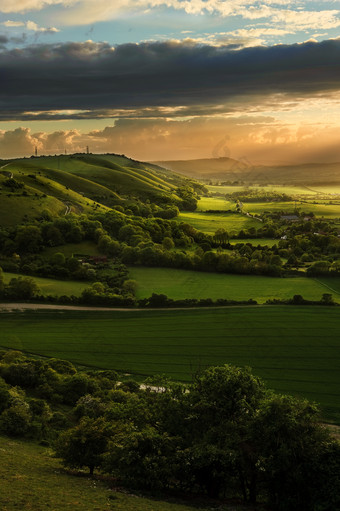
point(295, 349)
point(214, 203)
point(322, 209)
point(15, 208)
point(255, 241)
point(210, 222)
point(53, 286)
point(178, 284)
point(289, 190)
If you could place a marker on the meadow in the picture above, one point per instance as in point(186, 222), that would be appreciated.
point(210, 222)
point(294, 349)
point(289, 190)
point(321, 200)
point(53, 286)
point(178, 284)
point(32, 478)
point(84, 247)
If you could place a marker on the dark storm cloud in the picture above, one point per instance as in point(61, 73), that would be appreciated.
point(3, 41)
point(96, 78)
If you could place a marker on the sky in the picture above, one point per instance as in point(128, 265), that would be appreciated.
point(171, 79)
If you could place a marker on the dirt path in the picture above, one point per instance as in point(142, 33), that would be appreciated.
point(18, 307)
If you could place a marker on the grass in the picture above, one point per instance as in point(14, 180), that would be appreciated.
point(15, 208)
point(52, 286)
point(179, 284)
point(307, 200)
point(85, 247)
point(86, 182)
point(31, 479)
point(255, 241)
point(289, 190)
point(210, 222)
point(294, 349)
point(213, 203)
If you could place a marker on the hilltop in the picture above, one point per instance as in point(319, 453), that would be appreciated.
point(82, 183)
point(228, 169)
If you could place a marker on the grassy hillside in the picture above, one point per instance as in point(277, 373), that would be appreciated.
point(32, 479)
point(294, 349)
point(79, 183)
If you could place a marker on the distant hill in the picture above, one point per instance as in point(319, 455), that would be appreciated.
point(205, 168)
point(80, 183)
point(228, 169)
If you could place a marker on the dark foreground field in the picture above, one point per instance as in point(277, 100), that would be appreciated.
point(294, 349)
point(32, 479)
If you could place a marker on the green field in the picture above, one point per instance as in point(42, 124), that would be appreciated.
point(85, 247)
point(210, 222)
point(255, 241)
point(179, 284)
point(289, 190)
point(214, 203)
point(32, 479)
point(52, 286)
point(295, 349)
point(322, 209)
point(308, 200)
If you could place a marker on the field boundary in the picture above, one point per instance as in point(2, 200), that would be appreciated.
point(15, 307)
point(328, 287)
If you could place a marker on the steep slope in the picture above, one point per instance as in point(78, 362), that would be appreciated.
point(80, 183)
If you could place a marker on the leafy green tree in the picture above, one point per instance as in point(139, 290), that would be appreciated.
point(85, 444)
point(319, 268)
point(51, 235)
point(28, 239)
point(2, 285)
point(130, 286)
point(168, 243)
point(290, 442)
point(16, 420)
point(225, 401)
point(22, 288)
point(76, 386)
point(4, 395)
point(143, 459)
point(58, 259)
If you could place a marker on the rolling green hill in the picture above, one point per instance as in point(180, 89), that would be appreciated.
point(79, 183)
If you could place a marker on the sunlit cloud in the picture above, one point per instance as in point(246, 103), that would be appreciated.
point(29, 5)
point(283, 13)
point(256, 139)
point(30, 25)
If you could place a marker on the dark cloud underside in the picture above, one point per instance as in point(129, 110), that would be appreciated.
point(93, 77)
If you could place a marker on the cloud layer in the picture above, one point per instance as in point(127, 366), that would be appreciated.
point(191, 79)
point(253, 139)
